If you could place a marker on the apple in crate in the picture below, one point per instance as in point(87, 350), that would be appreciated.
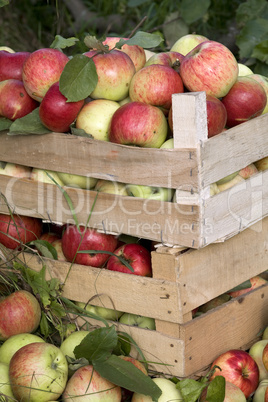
point(6, 393)
point(135, 52)
point(255, 281)
point(139, 124)
point(78, 181)
point(245, 100)
point(14, 100)
point(16, 230)
point(149, 192)
point(111, 187)
point(115, 71)
point(95, 117)
point(76, 239)
point(261, 393)
point(11, 64)
point(136, 255)
point(238, 367)
point(57, 244)
point(15, 170)
point(20, 312)
point(169, 392)
point(209, 67)
point(165, 58)
point(41, 69)
point(104, 312)
point(38, 372)
point(14, 343)
point(86, 384)
point(248, 171)
point(262, 164)
point(155, 84)
point(232, 393)
point(45, 176)
point(55, 112)
point(137, 320)
point(257, 352)
point(187, 42)
point(261, 79)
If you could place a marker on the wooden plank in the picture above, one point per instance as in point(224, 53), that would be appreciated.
point(236, 209)
point(234, 149)
point(156, 220)
point(128, 293)
point(101, 159)
point(208, 272)
point(234, 325)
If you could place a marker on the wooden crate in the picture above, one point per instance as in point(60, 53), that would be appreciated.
point(183, 279)
point(195, 220)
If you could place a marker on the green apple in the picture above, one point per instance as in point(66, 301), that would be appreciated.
point(7, 49)
point(256, 351)
point(137, 320)
point(187, 42)
point(149, 192)
point(230, 183)
point(262, 164)
point(95, 117)
point(168, 144)
point(243, 70)
point(265, 333)
point(5, 387)
point(227, 178)
point(41, 175)
point(15, 170)
point(38, 372)
point(103, 312)
point(261, 393)
point(74, 180)
point(111, 187)
point(214, 189)
point(14, 343)
point(74, 339)
point(124, 101)
point(169, 392)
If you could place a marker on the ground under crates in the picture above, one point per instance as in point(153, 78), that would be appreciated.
point(195, 220)
point(183, 279)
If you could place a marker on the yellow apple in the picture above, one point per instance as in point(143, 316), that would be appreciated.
point(187, 42)
point(243, 70)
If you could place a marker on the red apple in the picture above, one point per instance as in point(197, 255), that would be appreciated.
point(14, 100)
point(216, 115)
point(50, 237)
point(248, 171)
point(11, 64)
point(126, 393)
point(245, 100)
point(265, 358)
point(255, 281)
point(140, 124)
point(135, 52)
point(38, 372)
point(136, 255)
point(261, 79)
point(155, 85)
point(20, 313)
point(75, 239)
point(42, 68)
point(209, 67)
point(238, 367)
point(55, 112)
point(165, 58)
point(115, 71)
point(16, 230)
point(86, 384)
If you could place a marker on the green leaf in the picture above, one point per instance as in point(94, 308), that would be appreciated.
point(193, 10)
point(244, 285)
point(250, 10)
point(191, 389)
point(97, 346)
point(123, 346)
point(2, 165)
point(61, 43)
point(251, 35)
point(143, 39)
point(4, 3)
point(45, 248)
point(44, 325)
point(5, 123)
point(124, 374)
point(80, 132)
point(79, 78)
point(133, 343)
point(260, 51)
point(93, 43)
point(216, 390)
point(29, 124)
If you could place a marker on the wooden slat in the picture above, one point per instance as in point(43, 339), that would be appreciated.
point(128, 293)
point(100, 159)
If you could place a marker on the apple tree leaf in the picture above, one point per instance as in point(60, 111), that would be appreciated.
point(191, 389)
point(78, 78)
point(61, 43)
point(98, 345)
point(124, 374)
point(45, 248)
point(80, 132)
point(193, 10)
point(260, 51)
point(5, 123)
point(143, 39)
point(4, 3)
point(93, 43)
point(216, 390)
point(253, 33)
point(29, 124)
point(250, 10)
